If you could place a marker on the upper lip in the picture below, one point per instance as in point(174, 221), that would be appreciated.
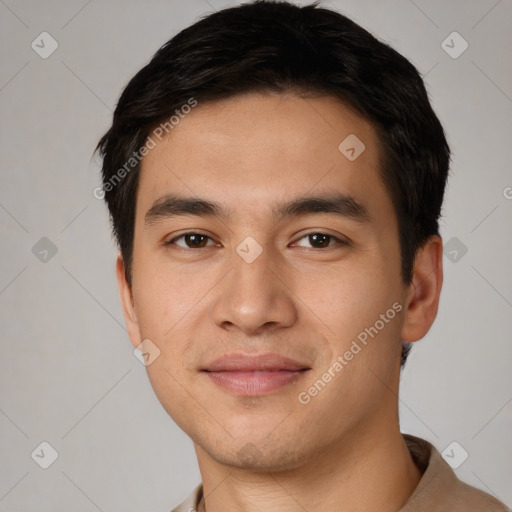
point(252, 363)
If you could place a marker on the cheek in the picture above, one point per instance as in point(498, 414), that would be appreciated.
point(363, 311)
point(165, 295)
point(362, 308)
point(350, 296)
point(166, 303)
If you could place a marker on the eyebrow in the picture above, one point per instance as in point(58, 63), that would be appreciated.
point(338, 204)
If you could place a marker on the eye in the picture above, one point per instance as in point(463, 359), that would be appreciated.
point(191, 241)
point(320, 240)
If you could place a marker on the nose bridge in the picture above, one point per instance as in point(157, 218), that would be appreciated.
point(258, 278)
point(252, 296)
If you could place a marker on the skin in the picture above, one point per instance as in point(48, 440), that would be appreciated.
point(343, 450)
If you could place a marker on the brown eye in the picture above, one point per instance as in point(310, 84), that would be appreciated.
point(320, 240)
point(191, 241)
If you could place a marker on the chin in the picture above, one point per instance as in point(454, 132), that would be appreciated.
point(262, 459)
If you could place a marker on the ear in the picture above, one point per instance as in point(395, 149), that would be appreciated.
point(424, 290)
point(127, 303)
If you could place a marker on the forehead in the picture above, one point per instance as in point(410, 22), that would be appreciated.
point(254, 147)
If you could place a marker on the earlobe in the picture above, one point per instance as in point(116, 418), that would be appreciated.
point(127, 303)
point(424, 290)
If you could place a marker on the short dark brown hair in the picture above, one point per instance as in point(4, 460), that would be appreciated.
point(267, 46)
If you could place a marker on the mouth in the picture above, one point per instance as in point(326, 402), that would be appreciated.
point(244, 375)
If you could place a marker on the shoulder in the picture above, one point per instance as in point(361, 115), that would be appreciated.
point(468, 498)
point(439, 489)
point(191, 503)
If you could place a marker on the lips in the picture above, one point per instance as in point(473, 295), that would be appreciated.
point(262, 362)
point(245, 375)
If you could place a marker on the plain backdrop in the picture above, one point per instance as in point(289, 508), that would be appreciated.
point(68, 375)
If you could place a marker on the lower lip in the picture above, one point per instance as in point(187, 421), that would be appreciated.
point(254, 383)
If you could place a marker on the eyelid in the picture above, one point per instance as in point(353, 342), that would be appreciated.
point(338, 238)
point(181, 235)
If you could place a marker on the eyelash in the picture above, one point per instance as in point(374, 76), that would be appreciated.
point(338, 240)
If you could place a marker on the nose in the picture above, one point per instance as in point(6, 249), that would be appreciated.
point(254, 298)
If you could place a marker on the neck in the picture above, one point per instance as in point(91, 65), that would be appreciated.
point(371, 471)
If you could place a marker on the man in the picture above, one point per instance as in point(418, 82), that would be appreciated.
point(275, 177)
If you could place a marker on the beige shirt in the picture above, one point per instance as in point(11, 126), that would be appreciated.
point(439, 489)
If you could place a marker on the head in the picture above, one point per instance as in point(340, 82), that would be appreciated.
point(259, 111)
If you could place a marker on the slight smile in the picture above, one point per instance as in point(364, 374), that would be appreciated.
point(254, 375)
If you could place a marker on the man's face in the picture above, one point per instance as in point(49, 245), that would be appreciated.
point(298, 284)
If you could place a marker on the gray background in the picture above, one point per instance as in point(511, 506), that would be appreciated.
point(68, 375)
